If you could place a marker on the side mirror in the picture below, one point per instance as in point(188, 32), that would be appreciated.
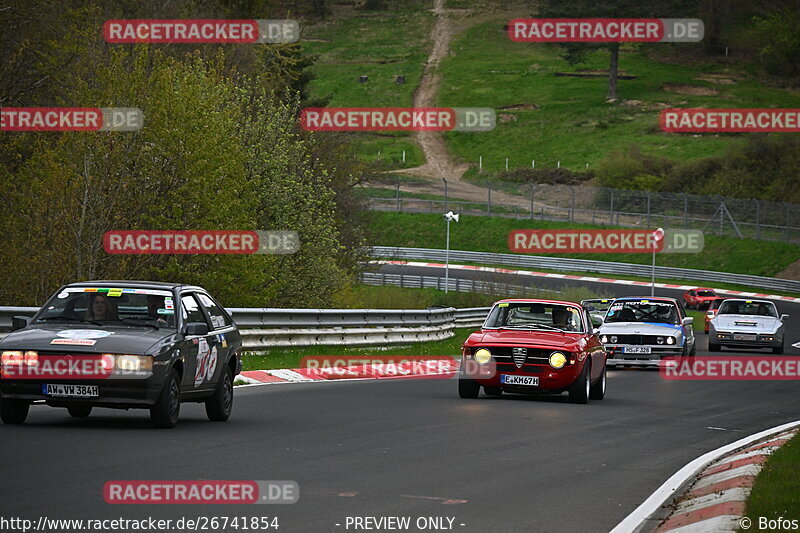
point(196, 328)
point(19, 322)
point(597, 321)
point(784, 317)
point(687, 320)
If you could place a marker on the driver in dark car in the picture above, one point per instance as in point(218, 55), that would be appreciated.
point(154, 303)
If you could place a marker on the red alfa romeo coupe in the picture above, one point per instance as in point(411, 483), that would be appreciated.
point(534, 346)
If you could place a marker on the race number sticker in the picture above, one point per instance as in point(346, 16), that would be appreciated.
point(202, 361)
point(212, 364)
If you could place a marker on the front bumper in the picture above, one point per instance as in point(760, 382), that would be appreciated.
point(617, 354)
point(117, 393)
point(762, 340)
point(550, 380)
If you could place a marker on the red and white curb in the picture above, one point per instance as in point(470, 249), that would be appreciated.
point(432, 368)
point(590, 279)
point(716, 499)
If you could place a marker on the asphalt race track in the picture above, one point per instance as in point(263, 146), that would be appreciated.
point(402, 448)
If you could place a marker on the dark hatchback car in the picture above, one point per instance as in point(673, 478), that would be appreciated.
point(534, 346)
point(122, 344)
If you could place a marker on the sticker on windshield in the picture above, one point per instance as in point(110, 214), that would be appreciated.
point(63, 294)
point(166, 311)
point(502, 305)
point(84, 334)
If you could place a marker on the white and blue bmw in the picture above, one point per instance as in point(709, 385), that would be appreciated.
point(642, 330)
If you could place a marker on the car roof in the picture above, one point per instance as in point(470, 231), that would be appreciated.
point(537, 300)
point(750, 300)
point(133, 283)
point(703, 289)
point(654, 298)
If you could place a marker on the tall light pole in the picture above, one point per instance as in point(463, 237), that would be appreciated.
point(448, 217)
point(658, 235)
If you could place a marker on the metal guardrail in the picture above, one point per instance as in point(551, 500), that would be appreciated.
point(583, 265)
point(407, 281)
point(263, 328)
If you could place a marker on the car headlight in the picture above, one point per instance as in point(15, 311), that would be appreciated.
point(134, 363)
point(671, 340)
point(482, 356)
point(558, 360)
point(613, 338)
point(660, 340)
point(604, 339)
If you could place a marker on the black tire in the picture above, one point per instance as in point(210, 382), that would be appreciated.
point(79, 411)
point(13, 411)
point(778, 349)
point(713, 346)
point(598, 390)
point(468, 388)
point(493, 391)
point(219, 406)
point(694, 348)
point(579, 391)
point(164, 414)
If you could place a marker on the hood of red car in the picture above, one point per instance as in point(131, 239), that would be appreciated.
point(545, 339)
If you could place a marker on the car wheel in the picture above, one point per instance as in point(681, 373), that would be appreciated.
point(713, 346)
point(164, 414)
point(694, 348)
point(579, 391)
point(778, 349)
point(468, 388)
point(219, 406)
point(598, 390)
point(13, 411)
point(79, 411)
point(493, 391)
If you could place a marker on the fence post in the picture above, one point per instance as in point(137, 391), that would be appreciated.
point(611, 192)
point(532, 188)
point(572, 204)
point(786, 229)
point(758, 220)
point(445, 193)
point(685, 211)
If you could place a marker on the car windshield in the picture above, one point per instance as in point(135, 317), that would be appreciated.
point(111, 306)
point(643, 311)
point(534, 315)
point(706, 293)
point(716, 303)
point(742, 307)
point(597, 305)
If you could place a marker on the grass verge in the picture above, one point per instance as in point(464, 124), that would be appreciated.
point(776, 492)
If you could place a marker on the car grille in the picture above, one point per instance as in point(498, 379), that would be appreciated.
point(506, 360)
point(637, 339)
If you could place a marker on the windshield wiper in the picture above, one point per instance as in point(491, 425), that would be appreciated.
point(67, 317)
point(534, 326)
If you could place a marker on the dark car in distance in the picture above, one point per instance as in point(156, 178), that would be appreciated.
point(122, 344)
point(534, 346)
